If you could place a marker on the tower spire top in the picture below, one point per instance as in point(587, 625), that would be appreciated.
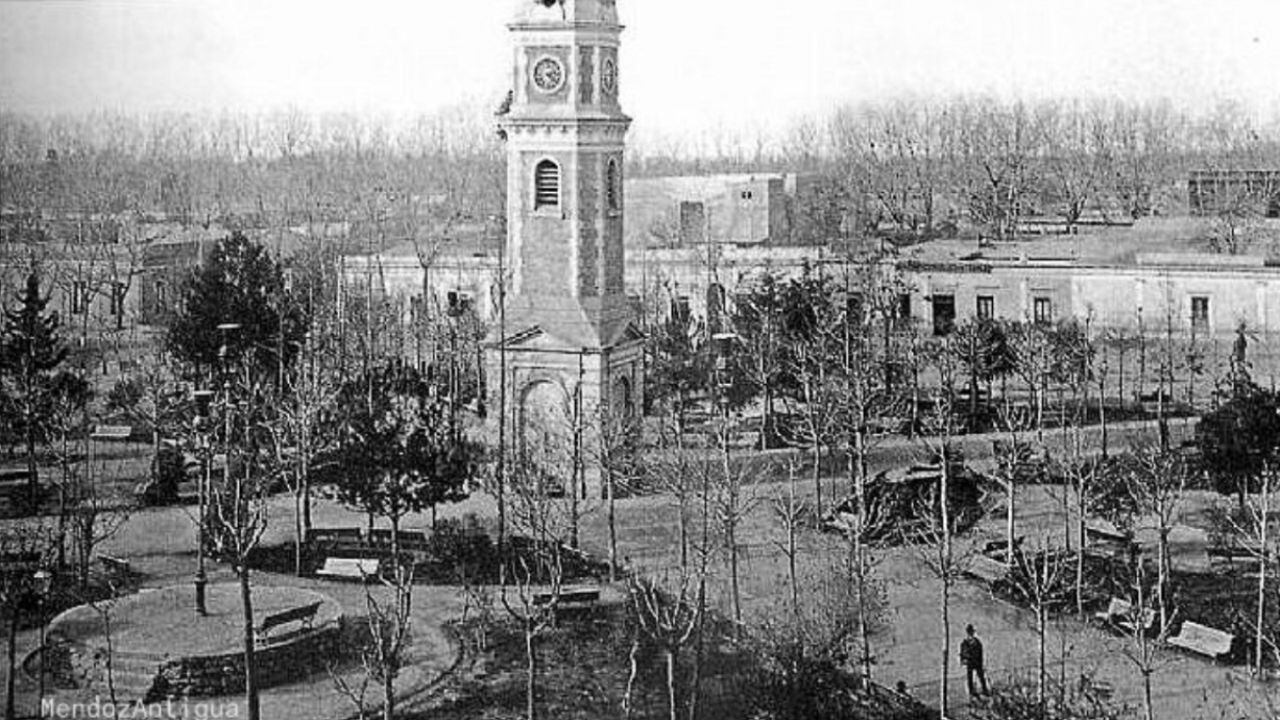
point(557, 12)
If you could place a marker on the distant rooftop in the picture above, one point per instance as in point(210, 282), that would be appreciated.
point(1150, 241)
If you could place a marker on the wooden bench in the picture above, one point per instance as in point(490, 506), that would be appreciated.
point(413, 540)
point(569, 600)
point(1203, 640)
point(1231, 553)
point(1000, 548)
point(988, 570)
point(1119, 613)
point(20, 561)
point(116, 567)
point(1103, 534)
point(350, 568)
point(111, 432)
point(340, 536)
point(304, 615)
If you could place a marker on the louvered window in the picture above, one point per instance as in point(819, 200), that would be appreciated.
point(546, 182)
point(611, 185)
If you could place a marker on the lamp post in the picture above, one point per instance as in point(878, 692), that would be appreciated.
point(223, 352)
point(43, 582)
point(204, 399)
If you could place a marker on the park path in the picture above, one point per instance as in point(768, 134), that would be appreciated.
point(159, 542)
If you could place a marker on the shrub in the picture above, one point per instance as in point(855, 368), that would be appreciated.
point(460, 548)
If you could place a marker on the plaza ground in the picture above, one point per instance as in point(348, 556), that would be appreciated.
point(159, 544)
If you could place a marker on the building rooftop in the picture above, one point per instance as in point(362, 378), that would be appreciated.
point(1179, 241)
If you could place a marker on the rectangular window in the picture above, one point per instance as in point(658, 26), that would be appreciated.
point(1200, 313)
point(118, 292)
point(79, 297)
point(986, 307)
point(944, 314)
point(1042, 311)
point(904, 307)
point(680, 309)
point(853, 309)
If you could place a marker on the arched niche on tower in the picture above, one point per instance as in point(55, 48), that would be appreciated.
point(545, 434)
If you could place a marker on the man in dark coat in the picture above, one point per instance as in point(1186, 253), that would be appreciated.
point(971, 658)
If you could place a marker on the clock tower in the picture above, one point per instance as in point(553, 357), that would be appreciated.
point(567, 346)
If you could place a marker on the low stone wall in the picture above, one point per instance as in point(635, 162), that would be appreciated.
point(205, 656)
point(278, 664)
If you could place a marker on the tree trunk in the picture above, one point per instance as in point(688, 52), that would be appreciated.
point(945, 566)
point(1162, 580)
point(792, 579)
point(946, 647)
point(33, 477)
point(731, 538)
point(1011, 493)
point(1148, 710)
point(531, 674)
point(613, 525)
point(388, 695)
point(1080, 562)
point(299, 533)
point(1262, 608)
point(1041, 630)
point(254, 711)
point(633, 663)
point(671, 682)
point(9, 713)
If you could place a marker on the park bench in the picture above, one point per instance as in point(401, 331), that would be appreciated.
point(1105, 534)
point(1203, 640)
point(114, 566)
point(303, 615)
point(413, 540)
point(999, 549)
point(335, 537)
point(19, 561)
point(350, 568)
point(988, 570)
point(111, 432)
point(1231, 553)
point(576, 599)
point(1119, 613)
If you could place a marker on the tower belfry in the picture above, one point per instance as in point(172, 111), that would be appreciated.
point(569, 345)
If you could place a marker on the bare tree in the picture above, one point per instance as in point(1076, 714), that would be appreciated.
point(1038, 579)
point(1258, 525)
point(389, 624)
point(238, 514)
point(1156, 482)
point(1144, 647)
point(532, 580)
point(937, 529)
point(668, 614)
point(25, 549)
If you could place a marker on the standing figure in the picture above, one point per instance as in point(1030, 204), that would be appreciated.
point(971, 658)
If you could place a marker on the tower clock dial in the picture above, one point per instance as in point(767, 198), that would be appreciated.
point(548, 74)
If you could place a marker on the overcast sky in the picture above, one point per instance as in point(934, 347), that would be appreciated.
point(688, 65)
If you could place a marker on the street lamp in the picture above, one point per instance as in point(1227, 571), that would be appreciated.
point(225, 329)
point(204, 399)
point(43, 582)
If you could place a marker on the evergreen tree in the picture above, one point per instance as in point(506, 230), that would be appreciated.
point(30, 353)
point(240, 284)
point(398, 452)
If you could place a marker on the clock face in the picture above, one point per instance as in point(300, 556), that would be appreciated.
point(609, 76)
point(548, 74)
